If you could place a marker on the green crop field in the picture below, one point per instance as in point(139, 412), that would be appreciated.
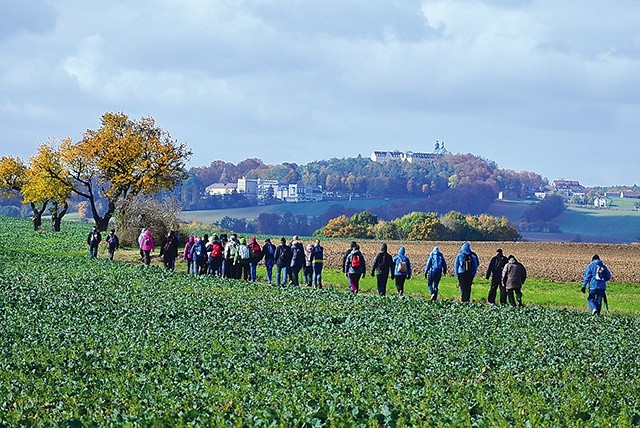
point(92, 343)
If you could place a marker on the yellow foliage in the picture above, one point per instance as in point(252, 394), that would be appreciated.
point(13, 175)
point(40, 185)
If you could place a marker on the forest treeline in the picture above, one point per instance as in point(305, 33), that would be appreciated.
point(361, 176)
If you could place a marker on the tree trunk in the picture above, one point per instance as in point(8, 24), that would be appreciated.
point(56, 216)
point(37, 215)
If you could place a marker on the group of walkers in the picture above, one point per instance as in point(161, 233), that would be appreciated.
point(233, 257)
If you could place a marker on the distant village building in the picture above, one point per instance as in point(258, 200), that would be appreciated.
point(396, 155)
point(258, 189)
point(568, 188)
point(600, 202)
point(221, 189)
point(629, 194)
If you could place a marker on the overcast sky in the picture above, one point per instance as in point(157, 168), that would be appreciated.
point(546, 86)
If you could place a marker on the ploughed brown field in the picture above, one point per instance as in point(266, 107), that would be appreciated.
point(563, 262)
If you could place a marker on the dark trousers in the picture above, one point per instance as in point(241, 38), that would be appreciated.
point(493, 291)
point(518, 296)
point(381, 280)
point(464, 284)
point(295, 274)
point(400, 279)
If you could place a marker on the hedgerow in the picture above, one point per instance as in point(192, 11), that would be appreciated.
point(90, 342)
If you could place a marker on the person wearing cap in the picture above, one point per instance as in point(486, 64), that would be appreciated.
point(496, 265)
point(435, 267)
point(381, 269)
point(93, 240)
point(269, 254)
point(513, 276)
point(596, 275)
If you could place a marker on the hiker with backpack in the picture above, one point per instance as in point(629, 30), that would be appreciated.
point(514, 275)
point(283, 259)
point(496, 265)
point(147, 246)
point(382, 267)
point(93, 241)
point(354, 267)
point(140, 238)
point(256, 256)
point(169, 251)
point(199, 255)
point(346, 254)
point(113, 243)
point(269, 254)
point(465, 268)
point(187, 256)
point(297, 260)
point(231, 269)
point(317, 260)
point(243, 259)
point(401, 270)
point(596, 275)
point(215, 256)
point(435, 267)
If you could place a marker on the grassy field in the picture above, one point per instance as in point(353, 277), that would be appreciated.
point(89, 342)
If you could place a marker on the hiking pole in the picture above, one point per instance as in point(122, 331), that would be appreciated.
point(604, 299)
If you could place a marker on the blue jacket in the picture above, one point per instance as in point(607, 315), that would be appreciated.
point(596, 276)
point(464, 250)
point(398, 259)
point(436, 263)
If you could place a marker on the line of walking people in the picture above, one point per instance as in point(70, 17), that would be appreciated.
point(233, 257)
point(507, 274)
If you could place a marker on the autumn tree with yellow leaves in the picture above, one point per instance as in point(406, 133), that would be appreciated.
point(121, 159)
point(14, 176)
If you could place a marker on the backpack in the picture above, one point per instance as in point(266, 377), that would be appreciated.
point(244, 253)
point(600, 275)
point(403, 267)
point(94, 237)
point(356, 260)
point(467, 263)
point(256, 250)
point(216, 250)
point(147, 241)
point(200, 248)
point(436, 265)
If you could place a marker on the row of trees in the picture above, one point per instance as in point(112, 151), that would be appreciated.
point(122, 159)
point(367, 178)
point(416, 226)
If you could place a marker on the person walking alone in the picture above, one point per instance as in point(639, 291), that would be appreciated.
point(595, 277)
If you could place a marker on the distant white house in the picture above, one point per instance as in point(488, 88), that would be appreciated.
point(221, 189)
point(568, 187)
point(600, 202)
